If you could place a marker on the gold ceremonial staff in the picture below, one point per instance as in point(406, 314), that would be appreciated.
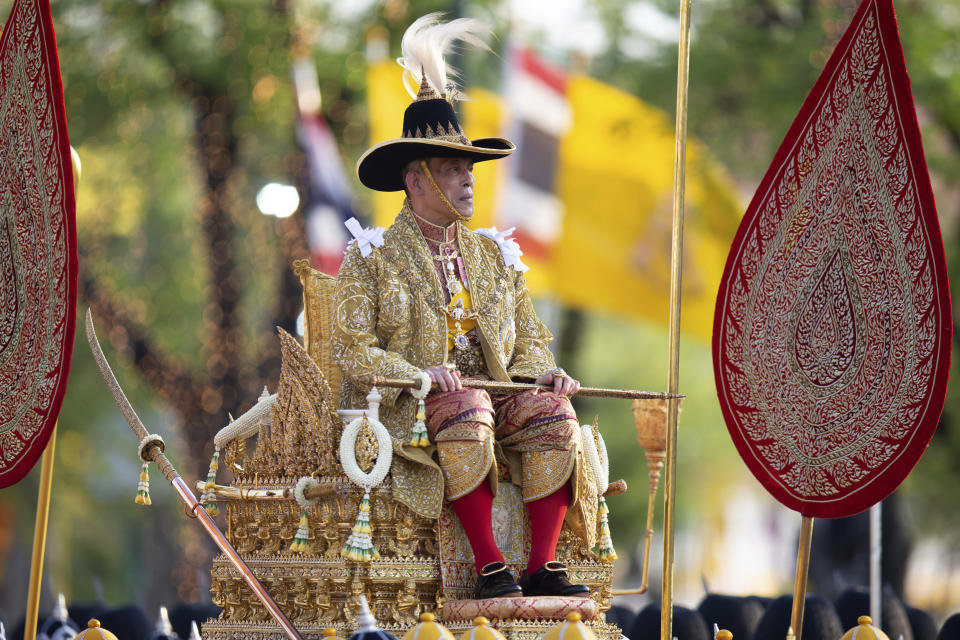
point(676, 263)
point(494, 386)
point(154, 453)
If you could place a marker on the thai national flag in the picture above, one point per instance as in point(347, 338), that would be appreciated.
point(328, 194)
point(535, 93)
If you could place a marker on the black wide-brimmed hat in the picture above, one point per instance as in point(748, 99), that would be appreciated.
point(430, 125)
point(430, 130)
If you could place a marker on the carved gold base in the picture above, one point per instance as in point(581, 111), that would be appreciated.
point(511, 629)
point(318, 589)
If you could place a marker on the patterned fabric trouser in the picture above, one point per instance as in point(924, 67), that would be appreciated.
point(539, 426)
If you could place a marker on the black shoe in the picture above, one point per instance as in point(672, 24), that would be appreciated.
point(551, 580)
point(496, 581)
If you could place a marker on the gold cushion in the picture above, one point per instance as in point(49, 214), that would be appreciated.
point(526, 608)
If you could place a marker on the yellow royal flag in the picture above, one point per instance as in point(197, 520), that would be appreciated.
point(616, 183)
point(386, 100)
point(615, 179)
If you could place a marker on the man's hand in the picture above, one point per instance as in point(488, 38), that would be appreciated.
point(563, 384)
point(446, 379)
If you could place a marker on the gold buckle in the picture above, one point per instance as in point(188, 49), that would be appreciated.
point(502, 567)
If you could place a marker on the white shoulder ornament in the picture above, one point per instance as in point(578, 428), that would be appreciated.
point(366, 238)
point(508, 246)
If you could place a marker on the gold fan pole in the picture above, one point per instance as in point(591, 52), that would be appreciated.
point(673, 375)
point(43, 497)
point(40, 538)
point(800, 585)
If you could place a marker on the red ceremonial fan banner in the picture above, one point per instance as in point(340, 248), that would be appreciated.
point(38, 243)
point(832, 332)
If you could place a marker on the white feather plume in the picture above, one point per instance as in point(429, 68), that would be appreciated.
point(427, 41)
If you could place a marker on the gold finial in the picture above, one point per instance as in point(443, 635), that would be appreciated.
point(573, 616)
point(723, 634)
point(480, 621)
point(865, 630)
point(329, 632)
point(94, 630)
point(427, 617)
point(427, 92)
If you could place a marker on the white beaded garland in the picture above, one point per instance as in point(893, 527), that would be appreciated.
point(300, 488)
point(348, 457)
point(425, 383)
point(598, 460)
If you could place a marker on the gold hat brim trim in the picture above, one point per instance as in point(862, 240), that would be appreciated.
point(379, 167)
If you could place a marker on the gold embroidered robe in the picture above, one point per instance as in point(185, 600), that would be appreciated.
point(388, 322)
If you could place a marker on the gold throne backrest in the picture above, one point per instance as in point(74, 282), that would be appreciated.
point(318, 290)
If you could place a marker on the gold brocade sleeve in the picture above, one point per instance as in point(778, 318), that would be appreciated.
point(356, 347)
point(531, 355)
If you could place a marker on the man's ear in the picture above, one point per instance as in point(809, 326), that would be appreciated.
point(414, 182)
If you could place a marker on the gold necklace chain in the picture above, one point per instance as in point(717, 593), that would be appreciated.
point(448, 260)
point(404, 271)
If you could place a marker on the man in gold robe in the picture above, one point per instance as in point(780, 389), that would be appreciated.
point(432, 300)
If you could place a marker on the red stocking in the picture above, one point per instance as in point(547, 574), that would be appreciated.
point(546, 518)
point(473, 510)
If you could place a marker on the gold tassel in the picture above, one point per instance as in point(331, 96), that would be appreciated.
point(359, 546)
point(420, 438)
point(209, 497)
point(301, 541)
point(606, 552)
point(143, 486)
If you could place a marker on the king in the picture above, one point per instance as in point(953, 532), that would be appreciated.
point(433, 300)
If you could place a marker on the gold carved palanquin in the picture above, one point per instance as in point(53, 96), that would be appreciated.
point(425, 565)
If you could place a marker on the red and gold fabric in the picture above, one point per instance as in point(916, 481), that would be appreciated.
point(832, 333)
point(536, 433)
point(38, 244)
point(460, 424)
